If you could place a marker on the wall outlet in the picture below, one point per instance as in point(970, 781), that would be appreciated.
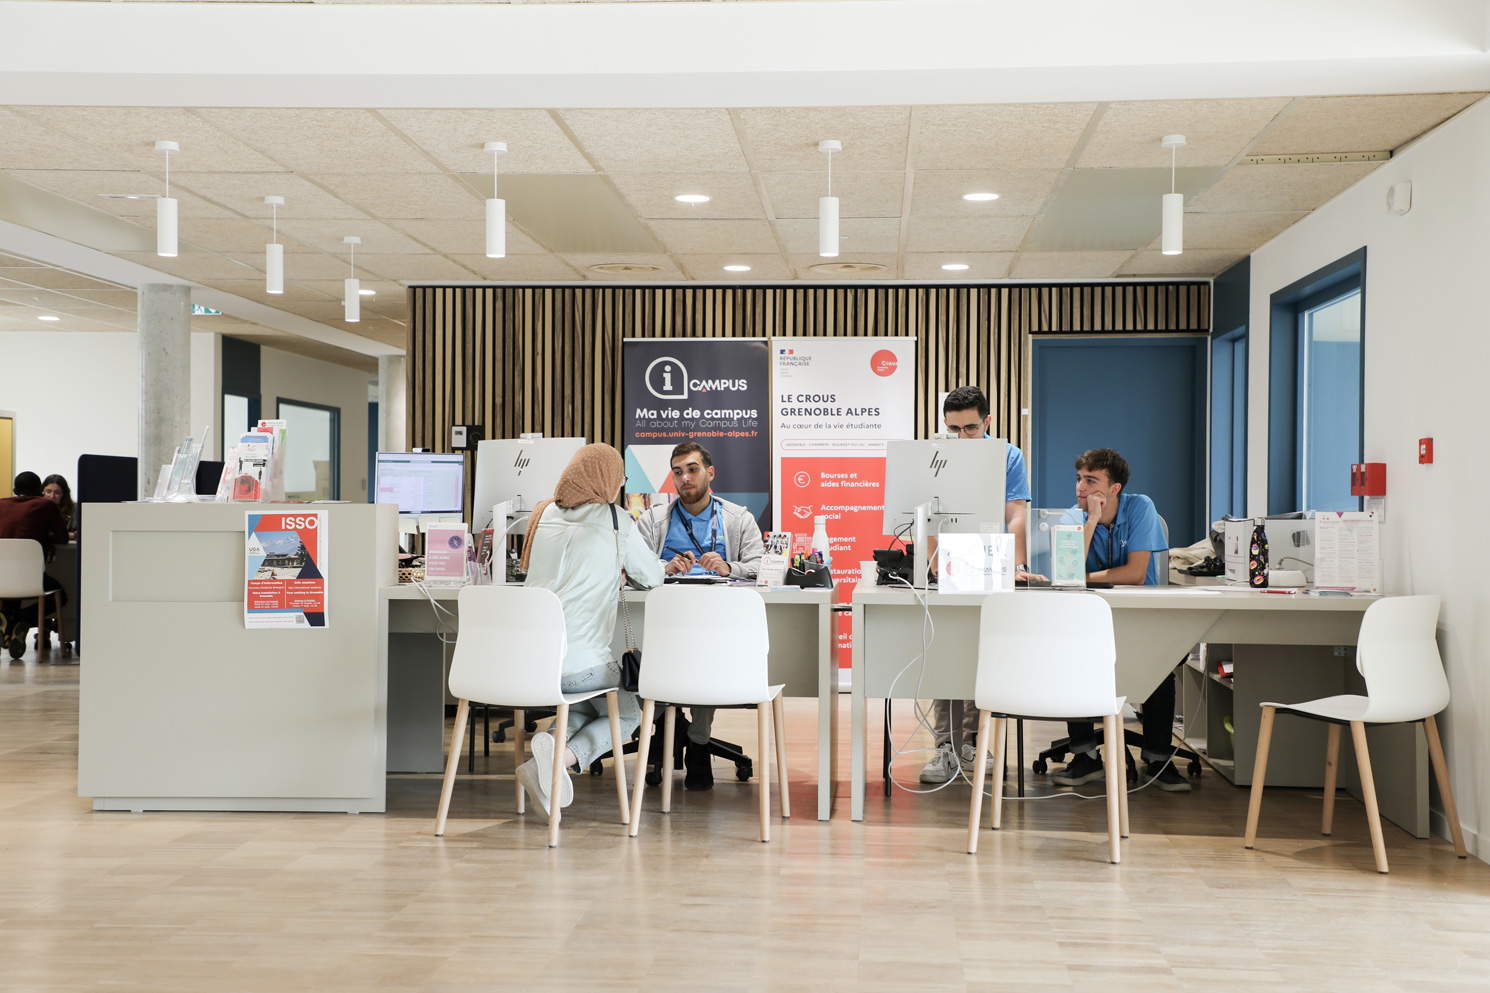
point(1340, 651)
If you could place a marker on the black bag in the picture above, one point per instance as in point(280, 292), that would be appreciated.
point(631, 659)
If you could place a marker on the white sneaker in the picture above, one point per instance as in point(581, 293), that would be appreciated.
point(534, 783)
point(943, 766)
point(970, 752)
point(543, 754)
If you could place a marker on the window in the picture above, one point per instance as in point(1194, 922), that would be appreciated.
point(312, 450)
point(1229, 425)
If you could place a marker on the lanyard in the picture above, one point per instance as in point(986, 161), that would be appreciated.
point(713, 529)
point(1111, 533)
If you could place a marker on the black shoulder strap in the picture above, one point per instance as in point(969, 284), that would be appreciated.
point(615, 519)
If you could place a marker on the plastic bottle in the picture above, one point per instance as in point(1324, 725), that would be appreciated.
point(820, 540)
point(1257, 558)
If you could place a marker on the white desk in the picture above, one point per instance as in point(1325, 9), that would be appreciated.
point(1284, 652)
point(804, 656)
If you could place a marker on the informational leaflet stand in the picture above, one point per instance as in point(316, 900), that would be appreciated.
point(285, 572)
point(975, 563)
point(1067, 555)
point(445, 556)
point(1347, 551)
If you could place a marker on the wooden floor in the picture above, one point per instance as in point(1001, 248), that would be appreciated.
point(268, 902)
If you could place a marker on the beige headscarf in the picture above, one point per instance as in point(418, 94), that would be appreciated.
point(593, 476)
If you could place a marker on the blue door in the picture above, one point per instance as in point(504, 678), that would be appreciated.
point(1144, 397)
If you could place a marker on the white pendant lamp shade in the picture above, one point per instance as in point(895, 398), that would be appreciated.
point(496, 208)
point(165, 208)
point(827, 207)
point(274, 252)
point(1172, 239)
point(352, 293)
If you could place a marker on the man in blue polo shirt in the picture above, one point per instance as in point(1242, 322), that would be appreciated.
point(1122, 532)
point(966, 414)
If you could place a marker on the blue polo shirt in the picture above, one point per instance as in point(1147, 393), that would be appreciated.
point(706, 528)
point(1016, 476)
point(1135, 529)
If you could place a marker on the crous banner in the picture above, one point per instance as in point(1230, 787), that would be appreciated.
point(710, 390)
point(835, 402)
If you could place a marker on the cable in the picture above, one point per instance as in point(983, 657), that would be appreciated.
point(444, 625)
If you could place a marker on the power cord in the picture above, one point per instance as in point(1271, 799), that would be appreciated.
point(445, 618)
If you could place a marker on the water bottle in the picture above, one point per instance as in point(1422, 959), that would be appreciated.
point(1257, 558)
point(820, 540)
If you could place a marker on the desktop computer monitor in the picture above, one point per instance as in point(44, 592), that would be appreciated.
point(962, 480)
point(421, 482)
point(524, 471)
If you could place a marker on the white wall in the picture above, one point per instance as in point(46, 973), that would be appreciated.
point(1427, 350)
point(295, 377)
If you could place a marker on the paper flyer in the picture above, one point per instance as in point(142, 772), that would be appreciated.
point(285, 571)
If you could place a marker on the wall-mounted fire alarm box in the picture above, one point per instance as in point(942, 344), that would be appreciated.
point(1368, 479)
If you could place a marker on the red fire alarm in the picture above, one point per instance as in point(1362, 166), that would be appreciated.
point(1368, 479)
point(1425, 451)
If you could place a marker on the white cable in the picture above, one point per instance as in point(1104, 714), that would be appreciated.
point(441, 628)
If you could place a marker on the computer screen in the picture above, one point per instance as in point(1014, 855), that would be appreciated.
point(524, 471)
point(966, 478)
point(422, 482)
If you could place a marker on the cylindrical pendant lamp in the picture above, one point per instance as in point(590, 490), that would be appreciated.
point(165, 208)
point(1174, 224)
point(352, 291)
point(827, 227)
point(496, 208)
point(274, 252)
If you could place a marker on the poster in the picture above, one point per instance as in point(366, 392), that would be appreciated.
point(835, 402)
point(285, 570)
point(710, 390)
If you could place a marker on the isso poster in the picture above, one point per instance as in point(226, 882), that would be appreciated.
point(285, 572)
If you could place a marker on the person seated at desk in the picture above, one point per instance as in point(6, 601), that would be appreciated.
point(55, 489)
point(1122, 532)
point(583, 547)
point(28, 514)
point(696, 534)
point(966, 414)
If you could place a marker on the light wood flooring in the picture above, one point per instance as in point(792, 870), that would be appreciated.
point(165, 902)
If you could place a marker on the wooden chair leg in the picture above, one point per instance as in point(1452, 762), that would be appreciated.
point(763, 763)
point(778, 720)
point(555, 793)
point(519, 738)
point(669, 722)
point(617, 746)
point(1441, 773)
point(1259, 774)
point(1331, 768)
point(639, 785)
point(975, 806)
point(1123, 795)
point(999, 740)
point(1368, 793)
point(41, 624)
point(451, 765)
point(1113, 748)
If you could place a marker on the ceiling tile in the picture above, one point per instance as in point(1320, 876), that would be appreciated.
point(732, 194)
point(962, 234)
point(411, 267)
point(703, 237)
point(300, 265)
point(784, 139)
point(36, 298)
point(1361, 124)
point(1270, 188)
point(980, 265)
point(195, 266)
point(465, 237)
point(245, 193)
point(25, 144)
point(221, 234)
point(519, 268)
point(419, 196)
point(1022, 192)
point(57, 279)
point(1066, 265)
point(1018, 136)
point(1216, 132)
point(856, 234)
point(1189, 264)
point(86, 187)
point(803, 265)
point(691, 140)
point(295, 291)
point(582, 263)
point(860, 194)
point(1235, 231)
point(380, 239)
point(456, 138)
point(710, 268)
point(322, 141)
point(125, 299)
point(130, 133)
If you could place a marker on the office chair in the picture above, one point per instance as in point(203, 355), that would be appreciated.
point(23, 576)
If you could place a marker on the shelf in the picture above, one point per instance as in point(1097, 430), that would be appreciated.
point(1225, 681)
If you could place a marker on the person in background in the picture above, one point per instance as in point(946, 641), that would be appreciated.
point(581, 546)
point(699, 533)
point(1122, 532)
point(28, 515)
point(55, 489)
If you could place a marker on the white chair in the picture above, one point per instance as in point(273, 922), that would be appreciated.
point(23, 568)
point(1049, 656)
point(510, 653)
point(707, 646)
point(1397, 655)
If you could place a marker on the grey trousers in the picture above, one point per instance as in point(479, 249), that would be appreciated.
point(967, 722)
point(589, 722)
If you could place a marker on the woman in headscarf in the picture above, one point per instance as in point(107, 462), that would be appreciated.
point(582, 546)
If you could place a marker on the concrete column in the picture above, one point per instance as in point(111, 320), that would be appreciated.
point(393, 404)
point(165, 377)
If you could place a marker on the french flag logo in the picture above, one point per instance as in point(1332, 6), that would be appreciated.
point(788, 351)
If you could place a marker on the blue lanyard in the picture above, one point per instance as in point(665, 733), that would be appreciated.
point(713, 528)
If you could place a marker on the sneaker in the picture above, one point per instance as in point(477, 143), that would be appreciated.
point(699, 766)
point(969, 753)
point(943, 766)
point(543, 754)
point(1083, 768)
point(1168, 778)
point(19, 629)
point(533, 783)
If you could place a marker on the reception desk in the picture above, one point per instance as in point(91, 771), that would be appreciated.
point(183, 708)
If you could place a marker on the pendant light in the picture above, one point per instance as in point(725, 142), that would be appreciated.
point(353, 293)
point(1172, 242)
point(274, 252)
point(165, 208)
point(496, 210)
point(827, 207)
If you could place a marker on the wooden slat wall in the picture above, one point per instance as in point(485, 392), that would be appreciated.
point(547, 358)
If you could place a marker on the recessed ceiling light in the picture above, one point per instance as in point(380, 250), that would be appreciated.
point(625, 267)
point(48, 317)
point(737, 268)
point(980, 197)
point(954, 267)
point(691, 198)
point(130, 196)
point(368, 293)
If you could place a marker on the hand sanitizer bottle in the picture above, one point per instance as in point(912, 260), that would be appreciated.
point(820, 540)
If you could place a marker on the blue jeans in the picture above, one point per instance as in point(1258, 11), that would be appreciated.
point(589, 722)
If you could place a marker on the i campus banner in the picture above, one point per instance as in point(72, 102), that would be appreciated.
point(714, 391)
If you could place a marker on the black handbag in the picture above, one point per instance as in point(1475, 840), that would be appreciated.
point(631, 659)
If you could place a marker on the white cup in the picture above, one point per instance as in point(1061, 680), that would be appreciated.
point(868, 572)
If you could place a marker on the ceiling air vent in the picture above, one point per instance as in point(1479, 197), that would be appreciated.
point(625, 267)
point(847, 268)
